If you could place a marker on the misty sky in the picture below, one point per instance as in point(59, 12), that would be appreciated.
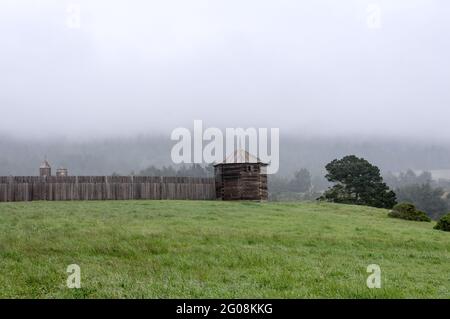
point(328, 67)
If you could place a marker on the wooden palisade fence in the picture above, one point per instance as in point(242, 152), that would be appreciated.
point(53, 188)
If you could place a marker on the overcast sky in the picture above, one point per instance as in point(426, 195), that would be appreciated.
point(126, 67)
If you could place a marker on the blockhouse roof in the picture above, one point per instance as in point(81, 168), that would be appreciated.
point(45, 164)
point(240, 156)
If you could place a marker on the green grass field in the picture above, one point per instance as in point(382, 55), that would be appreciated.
point(207, 249)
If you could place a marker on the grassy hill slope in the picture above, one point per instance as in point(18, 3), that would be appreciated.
point(159, 249)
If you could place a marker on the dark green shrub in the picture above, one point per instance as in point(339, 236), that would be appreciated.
point(409, 212)
point(404, 208)
point(443, 223)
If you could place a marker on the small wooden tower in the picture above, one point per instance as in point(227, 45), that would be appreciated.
point(241, 176)
point(62, 172)
point(45, 169)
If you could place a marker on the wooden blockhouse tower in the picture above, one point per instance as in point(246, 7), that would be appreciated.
point(45, 169)
point(241, 176)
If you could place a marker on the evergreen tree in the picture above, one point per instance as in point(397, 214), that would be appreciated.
point(357, 182)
